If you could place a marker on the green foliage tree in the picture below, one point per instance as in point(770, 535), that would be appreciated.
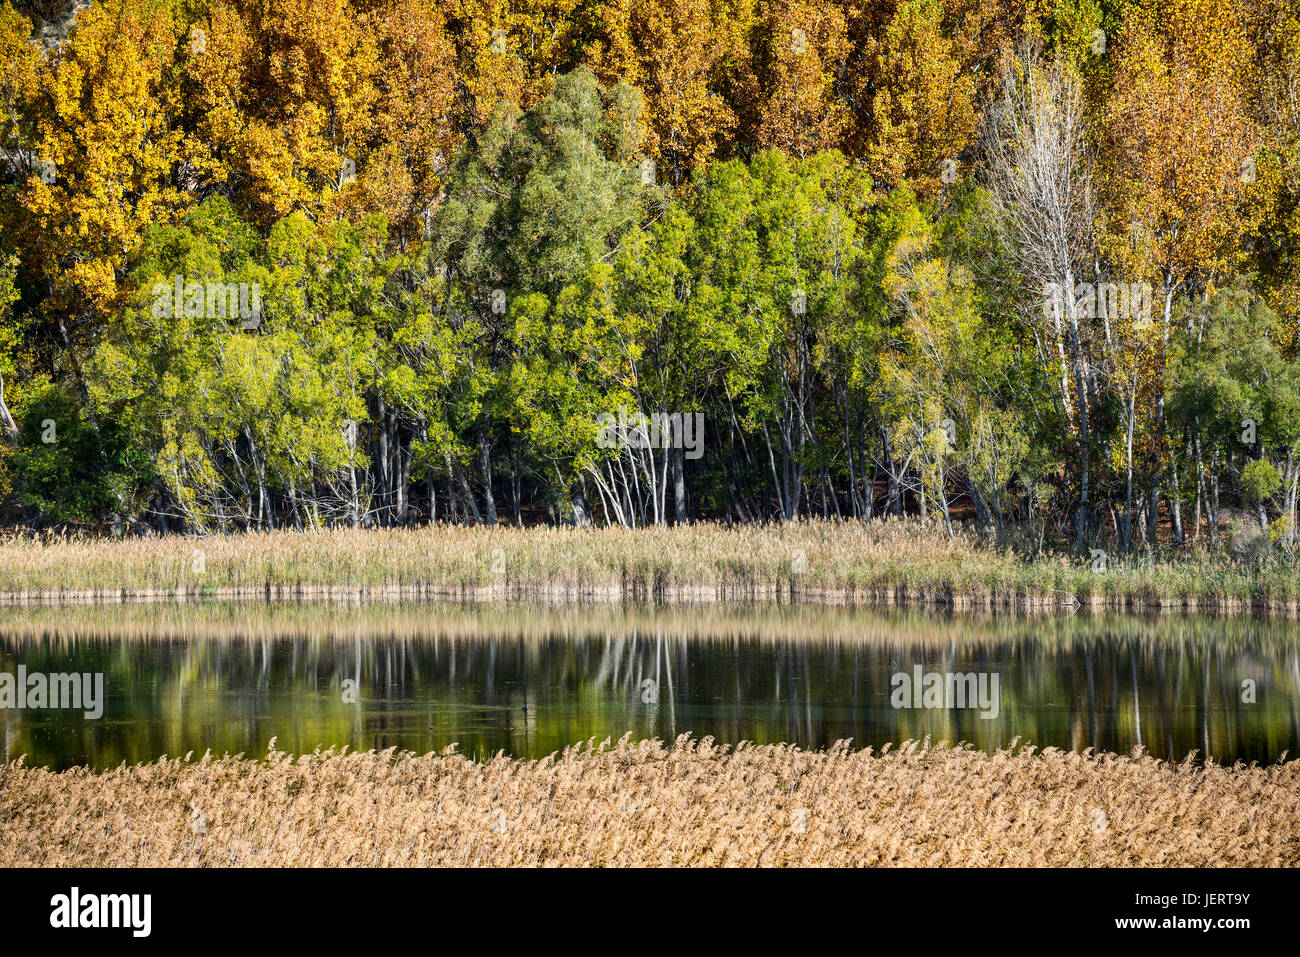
point(539, 198)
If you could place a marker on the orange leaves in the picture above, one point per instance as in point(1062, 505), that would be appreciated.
point(797, 53)
point(714, 72)
point(921, 116)
point(415, 116)
point(287, 99)
point(102, 124)
point(18, 59)
point(327, 110)
point(674, 53)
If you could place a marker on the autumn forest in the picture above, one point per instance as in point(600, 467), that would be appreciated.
point(1027, 267)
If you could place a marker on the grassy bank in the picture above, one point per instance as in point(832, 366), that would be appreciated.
point(883, 563)
point(646, 804)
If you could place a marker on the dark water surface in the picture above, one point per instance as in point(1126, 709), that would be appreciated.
point(530, 681)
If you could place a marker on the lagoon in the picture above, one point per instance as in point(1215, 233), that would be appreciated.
point(532, 680)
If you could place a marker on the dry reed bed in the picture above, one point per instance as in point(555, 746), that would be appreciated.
point(646, 804)
point(901, 562)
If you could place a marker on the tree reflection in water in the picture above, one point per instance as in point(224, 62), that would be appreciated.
point(530, 681)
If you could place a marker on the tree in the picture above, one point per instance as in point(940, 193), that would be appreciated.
point(1276, 164)
point(792, 103)
point(1177, 131)
point(243, 365)
point(943, 369)
point(541, 196)
point(1237, 397)
point(282, 94)
point(98, 147)
point(65, 468)
point(415, 131)
point(9, 342)
point(921, 115)
point(674, 53)
point(780, 242)
point(1041, 169)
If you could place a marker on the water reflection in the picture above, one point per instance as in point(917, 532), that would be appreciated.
point(530, 682)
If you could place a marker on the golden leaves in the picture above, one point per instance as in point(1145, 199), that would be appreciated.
point(1177, 130)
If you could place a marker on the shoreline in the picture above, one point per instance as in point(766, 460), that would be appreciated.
point(884, 564)
point(523, 595)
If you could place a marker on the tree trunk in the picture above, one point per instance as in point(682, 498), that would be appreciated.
point(1176, 503)
point(581, 514)
point(7, 420)
point(485, 465)
point(384, 464)
point(1129, 429)
point(679, 484)
point(453, 512)
point(514, 482)
point(1153, 514)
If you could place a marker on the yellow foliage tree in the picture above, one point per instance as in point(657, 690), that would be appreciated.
point(103, 137)
point(285, 94)
point(1277, 196)
point(415, 130)
point(797, 49)
point(921, 115)
point(1178, 135)
point(1178, 138)
point(675, 53)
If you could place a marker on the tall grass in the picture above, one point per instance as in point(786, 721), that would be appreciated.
point(646, 804)
point(902, 561)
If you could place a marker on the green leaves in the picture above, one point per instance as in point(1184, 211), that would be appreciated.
point(442, 247)
point(543, 194)
point(67, 469)
point(227, 408)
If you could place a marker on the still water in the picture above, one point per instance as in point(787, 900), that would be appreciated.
point(531, 681)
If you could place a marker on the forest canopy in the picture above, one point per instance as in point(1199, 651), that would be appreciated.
point(1024, 265)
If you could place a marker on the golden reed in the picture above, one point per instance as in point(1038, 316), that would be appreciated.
point(904, 562)
point(692, 803)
